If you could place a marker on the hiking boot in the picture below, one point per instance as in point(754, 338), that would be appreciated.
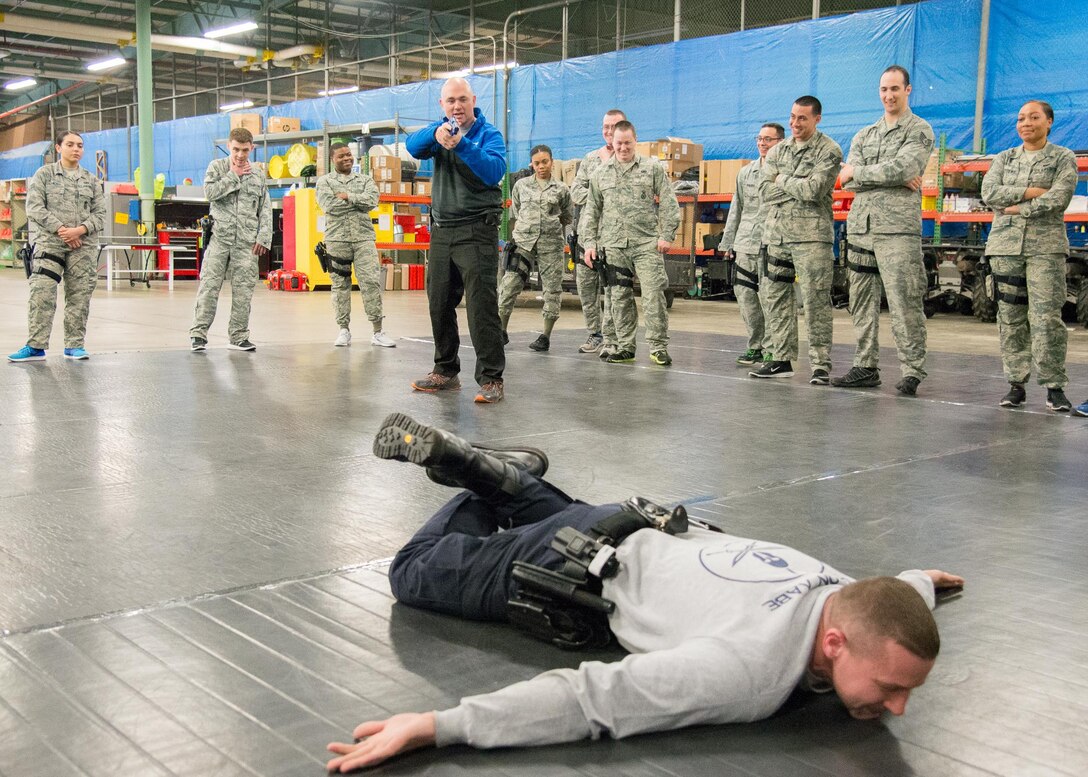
point(908, 386)
point(198, 344)
point(820, 377)
point(773, 370)
point(1057, 401)
point(490, 393)
point(245, 345)
point(435, 382)
point(453, 461)
point(382, 340)
point(1015, 397)
point(858, 377)
point(78, 354)
point(750, 357)
point(621, 357)
point(592, 344)
point(661, 357)
point(27, 354)
point(542, 343)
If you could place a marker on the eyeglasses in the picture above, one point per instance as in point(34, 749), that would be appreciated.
point(766, 138)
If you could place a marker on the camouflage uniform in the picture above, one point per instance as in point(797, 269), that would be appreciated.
point(590, 288)
point(884, 228)
point(1028, 259)
point(799, 231)
point(242, 212)
point(621, 218)
point(54, 199)
point(541, 210)
point(349, 238)
point(743, 231)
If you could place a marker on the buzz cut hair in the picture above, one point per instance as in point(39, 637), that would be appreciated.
point(338, 145)
point(880, 608)
point(778, 128)
point(808, 101)
point(625, 126)
point(240, 135)
point(898, 69)
point(615, 112)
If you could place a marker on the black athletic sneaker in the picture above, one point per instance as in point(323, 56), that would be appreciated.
point(820, 377)
point(661, 357)
point(245, 345)
point(621, 357)
point(1057, 401)
point(1015, 397)
point(858, 377)
point(773, 370)
point(908, 386)
point(542, 343)
point(198, 344)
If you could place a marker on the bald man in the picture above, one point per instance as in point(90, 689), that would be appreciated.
point(466, 207)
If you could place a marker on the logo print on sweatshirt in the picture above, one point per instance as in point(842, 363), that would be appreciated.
point(748, 561)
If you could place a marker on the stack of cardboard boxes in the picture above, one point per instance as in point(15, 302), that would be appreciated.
point(719, 176)
point(389, 173)
point(678, 155)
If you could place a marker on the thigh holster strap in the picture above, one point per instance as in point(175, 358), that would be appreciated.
point(338, 266)
point(1017, 282)
point(745, 278)
point(778, 269)
point(620, 276)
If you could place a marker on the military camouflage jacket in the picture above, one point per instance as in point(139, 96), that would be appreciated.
point(1040, 226)
point(884, 159)
point(347, 221)
point(579, 190)
point(55, 200)
point(796, 190)
point(620, 210)
point(240, 206)
point(540, 213)
point(744, 227)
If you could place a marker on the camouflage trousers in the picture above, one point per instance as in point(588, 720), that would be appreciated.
point(549, 260)
point(813, 266)
point(242, 265)
point(595, 308)
point(1029, 317)
point(750, 271)
point(363, 256)
point(894, 262)
point(620, 295)
point(79, 276)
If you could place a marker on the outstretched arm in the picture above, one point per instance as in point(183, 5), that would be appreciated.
point(942, 580)
point(380, 740)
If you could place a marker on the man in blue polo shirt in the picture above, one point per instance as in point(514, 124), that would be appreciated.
point(466, 208)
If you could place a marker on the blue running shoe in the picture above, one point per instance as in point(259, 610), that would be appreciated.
point(76, 353)
point(27, 354)
point(1081, 409)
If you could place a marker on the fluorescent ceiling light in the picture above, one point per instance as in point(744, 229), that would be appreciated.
point(235, 106)
point(341, 90)
point(106, 64)
point(479, 69)
point(22, 83)
point(233, 29)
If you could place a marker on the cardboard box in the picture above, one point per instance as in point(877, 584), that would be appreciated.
point(719, 176)
point(703, 230)
point(672, 149)
point(283, 124)
point(390, 274)
point(404, 188)
point(249, 121)
point(422, 189)
point(932, 173)
point(684, 231)
point(570, 170)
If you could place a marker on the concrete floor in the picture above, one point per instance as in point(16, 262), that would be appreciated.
point(192, 546)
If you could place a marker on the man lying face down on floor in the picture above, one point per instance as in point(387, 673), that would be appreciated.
point(720, 629)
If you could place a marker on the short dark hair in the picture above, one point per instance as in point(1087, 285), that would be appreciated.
point(240, 135)
point(624, 125)
point(778, 128)
point(60, 136)
point(808, 101)
point(615, 112)
point(338, 145)
point(539, 149)
point(901, 70)
point(888, 608)
point(1048, 110)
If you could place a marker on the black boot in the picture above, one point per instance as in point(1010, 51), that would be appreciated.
point(452, 461)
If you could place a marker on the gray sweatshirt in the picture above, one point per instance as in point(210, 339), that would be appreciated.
point(720, 630)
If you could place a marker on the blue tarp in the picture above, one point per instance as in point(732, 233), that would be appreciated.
point(718, 90)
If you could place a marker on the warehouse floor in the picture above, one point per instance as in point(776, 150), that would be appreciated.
point(193, 546)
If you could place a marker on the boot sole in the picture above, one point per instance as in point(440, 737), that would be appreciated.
point(402, 438)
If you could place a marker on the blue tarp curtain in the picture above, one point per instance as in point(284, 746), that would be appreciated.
point(718, 90)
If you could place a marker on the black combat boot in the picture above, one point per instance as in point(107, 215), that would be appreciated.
point(452, 461)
